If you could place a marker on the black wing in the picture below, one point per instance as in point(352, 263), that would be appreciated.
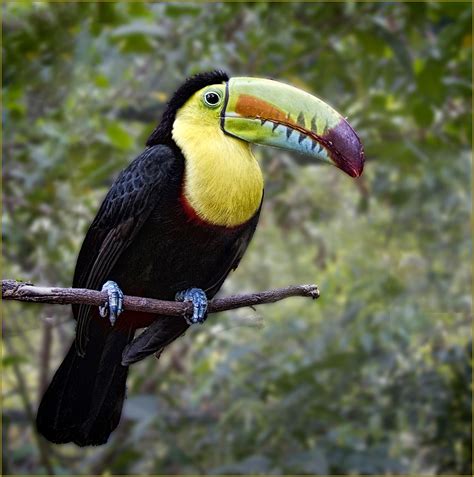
point(124, 210)
point(164, 331)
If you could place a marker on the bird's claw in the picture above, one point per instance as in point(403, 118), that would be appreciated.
point(114, 304)
point(199, 301)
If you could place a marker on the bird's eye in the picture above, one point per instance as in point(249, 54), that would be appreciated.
point(211, 98)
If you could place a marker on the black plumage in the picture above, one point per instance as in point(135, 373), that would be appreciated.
point(142, 238)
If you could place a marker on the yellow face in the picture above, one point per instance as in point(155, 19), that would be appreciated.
point(204, 108)
point(223, 181)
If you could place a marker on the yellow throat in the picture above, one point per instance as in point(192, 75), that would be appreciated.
point(223, 181)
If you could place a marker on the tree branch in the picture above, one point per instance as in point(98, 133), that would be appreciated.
point(25, 291)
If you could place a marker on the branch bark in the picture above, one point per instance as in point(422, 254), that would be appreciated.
point(25, 291)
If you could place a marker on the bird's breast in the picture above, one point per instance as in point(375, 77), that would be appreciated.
point(222, 181)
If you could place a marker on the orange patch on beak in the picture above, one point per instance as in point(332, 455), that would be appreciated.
point(251, 107)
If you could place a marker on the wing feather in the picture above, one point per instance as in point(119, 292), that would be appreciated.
point(126, 207)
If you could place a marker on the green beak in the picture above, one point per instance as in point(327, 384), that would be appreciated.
point(267, 112)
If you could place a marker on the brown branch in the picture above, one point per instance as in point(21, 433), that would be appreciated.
point(25, 291)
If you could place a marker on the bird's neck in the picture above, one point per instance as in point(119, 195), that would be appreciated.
point(223, 182)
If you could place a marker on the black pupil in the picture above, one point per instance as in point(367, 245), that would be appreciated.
point(212, 98)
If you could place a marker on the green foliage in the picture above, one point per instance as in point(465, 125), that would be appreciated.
point(375, 377)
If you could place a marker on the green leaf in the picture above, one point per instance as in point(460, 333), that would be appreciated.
point(11, 359)
point(429, 80)
point(422, 112)
point(119, 136)
point(101, 81)
point(177, 10)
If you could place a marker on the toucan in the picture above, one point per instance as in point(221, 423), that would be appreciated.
point(174, 224)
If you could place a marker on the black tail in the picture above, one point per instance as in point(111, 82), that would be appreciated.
point(84, 401)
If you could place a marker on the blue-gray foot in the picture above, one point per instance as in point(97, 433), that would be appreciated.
point(199, 300)
point(114, 304)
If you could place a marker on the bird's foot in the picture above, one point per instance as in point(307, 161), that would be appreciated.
point(199, 301)
point(114, 304)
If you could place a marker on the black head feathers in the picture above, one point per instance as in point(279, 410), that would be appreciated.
point(162, 133)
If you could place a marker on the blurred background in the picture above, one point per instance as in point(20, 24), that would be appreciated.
point(374, 377)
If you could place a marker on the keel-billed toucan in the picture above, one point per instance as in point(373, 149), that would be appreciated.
point(174, 224)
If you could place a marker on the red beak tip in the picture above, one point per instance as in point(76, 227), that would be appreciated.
point(348, 153)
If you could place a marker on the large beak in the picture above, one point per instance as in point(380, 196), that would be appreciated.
point(267, 112)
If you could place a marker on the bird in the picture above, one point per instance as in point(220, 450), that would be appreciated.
point(173, 225)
